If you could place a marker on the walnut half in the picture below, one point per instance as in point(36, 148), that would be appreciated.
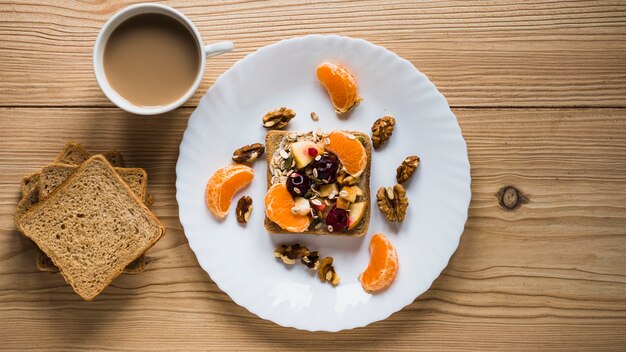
point(407, 168)
point(248, 153)
point(382, 130)
point(290, 253)
point(392, 202)
point(327, 272)
point(278, 119)
point(311, 260)
point(244, 209)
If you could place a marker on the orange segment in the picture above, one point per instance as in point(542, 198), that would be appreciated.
point(223, 185)
point(349, 150)
point(278, 204)
point(340, 85)
point(383, 265)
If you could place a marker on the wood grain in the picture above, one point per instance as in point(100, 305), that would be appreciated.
point(549, 275)
point(499, 53)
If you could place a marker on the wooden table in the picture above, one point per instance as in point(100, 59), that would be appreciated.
point(539, 88)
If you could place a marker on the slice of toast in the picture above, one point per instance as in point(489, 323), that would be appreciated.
point(72, 154)
point(29, 183)
point(27, 202)
point(114, 157)
point(44, 263)
point(53, 175)
point(272, 142)
point(149, 199)
point(75, 154)
point(92, 226)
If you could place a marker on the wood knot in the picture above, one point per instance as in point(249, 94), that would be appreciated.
point(510, 197)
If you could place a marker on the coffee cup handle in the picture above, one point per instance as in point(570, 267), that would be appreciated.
point(218, 48)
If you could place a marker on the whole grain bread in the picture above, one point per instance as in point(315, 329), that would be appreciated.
point(29, 183)
point(114, 157)
point(75, 154)
point(53, 175)
point(72, 154)
point(91, 226)
point(44, 263)
point(149, 199)
point(27, 202)
point(272, 142)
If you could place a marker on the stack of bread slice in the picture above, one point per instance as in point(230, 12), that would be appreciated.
point(89, 217)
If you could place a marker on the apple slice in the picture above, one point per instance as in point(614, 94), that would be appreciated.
point(356, 212)
point(350, 193)
point(343, 203)
point(301, 206)
point(304, 152)
point(328, 189)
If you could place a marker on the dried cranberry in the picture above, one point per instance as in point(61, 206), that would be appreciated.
point(313, 151)
point(326, 168)
point(338, 219)
point(298, 184)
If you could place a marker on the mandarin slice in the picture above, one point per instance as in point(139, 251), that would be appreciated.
point(278, 205)
point(340, 85)
point(223, 185)
point(349, 150)
point(383, 265)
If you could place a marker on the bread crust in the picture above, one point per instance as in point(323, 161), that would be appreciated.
point(74, 153)
point(272, 141)
point(28, 183)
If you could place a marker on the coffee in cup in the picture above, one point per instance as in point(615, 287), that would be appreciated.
point(149, 58)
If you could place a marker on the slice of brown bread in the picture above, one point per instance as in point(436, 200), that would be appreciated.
point(272, 141)
point(53, 175)
point(29, 183)
point(114, 157)
point(75, 154)
point(26, 203)
point(72, 153)
point(91, 226)
point(44, 263)
point(137, 179)
point(149, 199)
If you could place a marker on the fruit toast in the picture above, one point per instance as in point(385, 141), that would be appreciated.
point(318, 183)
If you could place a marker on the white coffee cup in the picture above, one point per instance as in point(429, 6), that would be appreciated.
point(134, 10)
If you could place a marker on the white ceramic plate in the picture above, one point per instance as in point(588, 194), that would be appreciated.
point(240, 258)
